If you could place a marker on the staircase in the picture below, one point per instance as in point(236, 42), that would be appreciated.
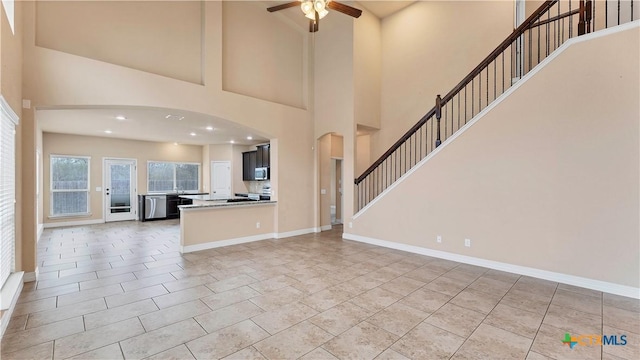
point(551, 25)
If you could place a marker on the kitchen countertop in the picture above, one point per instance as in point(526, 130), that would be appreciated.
point(219, 201)
point(209, 197)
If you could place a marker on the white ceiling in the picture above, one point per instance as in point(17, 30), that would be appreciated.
point(148, 124)
point(382, 9)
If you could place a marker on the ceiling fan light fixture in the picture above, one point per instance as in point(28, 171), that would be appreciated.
point(307, 7)
point(319, 5)
point(322, 13)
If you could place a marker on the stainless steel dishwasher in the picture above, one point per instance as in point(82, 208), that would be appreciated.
point(155, 207)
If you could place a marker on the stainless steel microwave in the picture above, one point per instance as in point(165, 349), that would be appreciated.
point(262, 173)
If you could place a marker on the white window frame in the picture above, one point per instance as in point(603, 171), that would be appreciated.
point(174, 176)
point(8, 242)
point(52, 191)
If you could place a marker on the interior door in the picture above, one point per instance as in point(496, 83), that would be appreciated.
point(221, 178)
point(120, 189)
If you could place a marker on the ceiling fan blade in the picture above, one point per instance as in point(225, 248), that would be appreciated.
point(283, 6)
point(345, 9)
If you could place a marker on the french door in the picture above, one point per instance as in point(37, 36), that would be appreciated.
point(120, 189)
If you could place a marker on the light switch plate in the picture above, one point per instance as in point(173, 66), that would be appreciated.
point(98, 188)
point(323, 191)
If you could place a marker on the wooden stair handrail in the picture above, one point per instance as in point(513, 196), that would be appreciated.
point(519, 31)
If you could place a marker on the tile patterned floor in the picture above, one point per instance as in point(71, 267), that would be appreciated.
point(123, 290)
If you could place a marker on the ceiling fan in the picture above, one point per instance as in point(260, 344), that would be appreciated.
point(315, 10)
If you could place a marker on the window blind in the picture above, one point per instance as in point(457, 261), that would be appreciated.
point(8, 121)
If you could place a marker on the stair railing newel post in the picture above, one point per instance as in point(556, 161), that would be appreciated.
point(582, 19)
point(438, 116)
point(588, 15)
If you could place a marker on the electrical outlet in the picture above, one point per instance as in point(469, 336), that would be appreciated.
point(467, 242)
point(439, 238)
point(257, 225)
point(350, 225)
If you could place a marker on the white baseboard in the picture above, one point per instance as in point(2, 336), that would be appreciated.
point(40, 230)
point(9, 297)
point(325, 227)
point(30, 276)
point(221, 243)
point(295, 233)
point(592, 284)
point(73, 223)
point(246, 239)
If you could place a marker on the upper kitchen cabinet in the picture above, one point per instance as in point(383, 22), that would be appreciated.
point(249, 165)
point(263, 156)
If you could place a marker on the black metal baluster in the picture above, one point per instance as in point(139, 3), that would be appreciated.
point(631, 10)
point(438, 116)
point(487, 104)
point(538, 46)
point(503, 72)
point(465, 103)
point(570, 22)
point(458, 110)
point(547, 35)
point(480, 91)
point(618, 12)
point(472, 102)
point(495, 79)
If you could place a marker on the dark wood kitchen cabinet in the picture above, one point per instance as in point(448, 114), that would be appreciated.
point(173, 201)
point(263, 156)
point(249, 165)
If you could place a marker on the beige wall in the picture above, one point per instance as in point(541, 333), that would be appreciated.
point(160, 37)
point(238, 185)
point(99, 148)
point(55, 78)
point(427, 48)
point(334, 98)
point(207, 225)
point(217, 152)
point(11, 90)
point(555, 188)
point(272, 46)
point(363, 153)
point(324, 164)
point(367, 71)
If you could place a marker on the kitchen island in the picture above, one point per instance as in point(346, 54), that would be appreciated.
point(214, 221)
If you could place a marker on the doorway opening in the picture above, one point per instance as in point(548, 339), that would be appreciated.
point(336, 191)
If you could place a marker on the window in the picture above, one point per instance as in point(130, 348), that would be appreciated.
point(8, 121)
point(69, 185)
point(9, 10)
point(169, 177)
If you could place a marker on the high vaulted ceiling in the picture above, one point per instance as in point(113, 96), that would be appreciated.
point(382, 9)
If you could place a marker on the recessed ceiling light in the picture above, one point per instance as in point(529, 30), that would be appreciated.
point(174, 117)
point(121, 117)
point(233, 142)
point(210, 128)
point(108, 131)
point(192, 134)
point(249, 138)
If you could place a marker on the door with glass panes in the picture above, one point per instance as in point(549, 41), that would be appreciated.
point(120, 189)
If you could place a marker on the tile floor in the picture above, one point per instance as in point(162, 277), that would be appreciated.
point(123, 290)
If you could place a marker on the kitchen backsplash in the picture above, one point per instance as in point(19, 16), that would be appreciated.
point(257, 186)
